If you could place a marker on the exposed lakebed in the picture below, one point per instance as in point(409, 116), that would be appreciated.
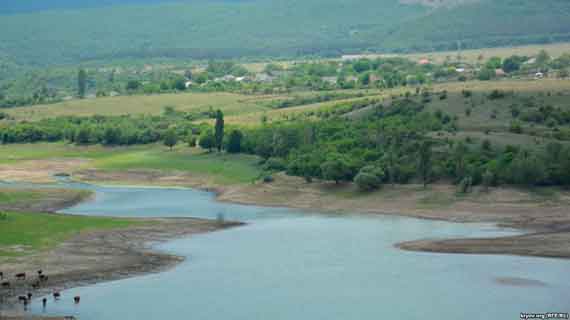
point(288, 264)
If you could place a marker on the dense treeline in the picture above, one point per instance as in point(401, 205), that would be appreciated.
point(123, 130)
point(392, 147)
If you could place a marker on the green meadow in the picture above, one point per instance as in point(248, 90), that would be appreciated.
point(25, 233)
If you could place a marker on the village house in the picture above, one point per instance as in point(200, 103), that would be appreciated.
point(331, 80)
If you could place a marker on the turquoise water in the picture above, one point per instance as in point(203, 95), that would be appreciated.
point(287, 264)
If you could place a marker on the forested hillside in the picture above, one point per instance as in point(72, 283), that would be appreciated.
point(34, 32)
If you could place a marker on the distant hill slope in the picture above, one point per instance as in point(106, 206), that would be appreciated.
point(204, 28)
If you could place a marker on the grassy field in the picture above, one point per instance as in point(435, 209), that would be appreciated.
point(25, 233)
point(222, 168)
point(143, 104)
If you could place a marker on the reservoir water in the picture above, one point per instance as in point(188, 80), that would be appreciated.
point(288, 264)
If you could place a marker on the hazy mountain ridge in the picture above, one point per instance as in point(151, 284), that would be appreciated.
point(223, 29)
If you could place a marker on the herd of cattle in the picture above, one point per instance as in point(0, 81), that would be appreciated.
point(40, 279)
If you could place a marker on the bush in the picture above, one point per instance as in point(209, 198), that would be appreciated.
point(515, 127)
point(268, 179)
point(192, 141)
point(486, 145)
point(466, 93)
point(276, 164)
point(465, 185)
point(496, 94)
point(369, 178)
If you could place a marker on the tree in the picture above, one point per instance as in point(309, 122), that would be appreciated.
point(369, 178)
point(207, 140)
point(542, 57)
point(219, 130)
point(81, 83)
point(170, 138)
point(133, 85)
point(486, 74)
point(82, 135)
point(512, 64)
point(234, 141)
point(425, 162)
point(488, 179)
point(111, 135)
point(459, 154)
point(191, 141)
point(335, 169)
point(494, 63)
point(179, 84)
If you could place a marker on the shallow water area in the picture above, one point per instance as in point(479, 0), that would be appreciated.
point(288, 264)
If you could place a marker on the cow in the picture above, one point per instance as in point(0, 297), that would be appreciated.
point(22, 298)
point(43, 277)
point(40, 272)
point(5, 284)
point(21, 276)
point(44, 302)
point(76, 299)
point(29, 296)
point(56, 295)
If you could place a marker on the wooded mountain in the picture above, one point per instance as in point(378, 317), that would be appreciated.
point(67, 31)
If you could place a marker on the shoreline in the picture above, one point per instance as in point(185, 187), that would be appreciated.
point(101, 256)
point(545, 222)
point(547, 225)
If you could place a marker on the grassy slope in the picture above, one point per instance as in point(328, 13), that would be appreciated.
point(25, 233)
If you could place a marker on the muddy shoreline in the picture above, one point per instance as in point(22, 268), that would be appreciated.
point(99, 256)
point(545, 221)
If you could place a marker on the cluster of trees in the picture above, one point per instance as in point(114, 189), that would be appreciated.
point(122, 130)
point(392, 147)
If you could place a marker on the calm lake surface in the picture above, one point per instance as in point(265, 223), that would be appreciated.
point(288, 264)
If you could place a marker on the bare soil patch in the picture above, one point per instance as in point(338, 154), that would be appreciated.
point(38, 171)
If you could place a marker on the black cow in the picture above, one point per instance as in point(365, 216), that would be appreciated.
point(56, 295)
point(21, 276)
point(5, 284)
point(76, 299)
point(22, 299)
